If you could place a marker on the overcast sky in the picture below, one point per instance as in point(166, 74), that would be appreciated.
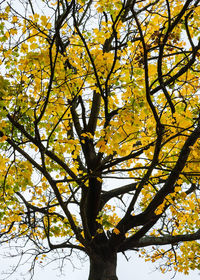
point(134, 269)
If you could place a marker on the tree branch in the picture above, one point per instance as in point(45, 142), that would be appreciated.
point(165, 240)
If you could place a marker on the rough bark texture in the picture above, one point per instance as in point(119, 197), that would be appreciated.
point(103, 268)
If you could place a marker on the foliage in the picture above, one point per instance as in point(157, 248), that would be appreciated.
point(93, 93)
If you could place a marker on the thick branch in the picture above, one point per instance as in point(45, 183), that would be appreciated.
point(105, 197)
point(174, 175)
point(164, 240)
point(92, 123)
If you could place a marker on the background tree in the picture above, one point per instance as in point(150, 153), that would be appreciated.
point(93, 93)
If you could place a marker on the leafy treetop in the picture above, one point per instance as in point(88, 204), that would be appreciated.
point(93, 93)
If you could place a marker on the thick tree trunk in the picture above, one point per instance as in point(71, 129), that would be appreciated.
point(103, 268)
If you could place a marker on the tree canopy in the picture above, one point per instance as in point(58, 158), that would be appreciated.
point(100, 130)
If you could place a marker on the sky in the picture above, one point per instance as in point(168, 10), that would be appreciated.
point(136, 268)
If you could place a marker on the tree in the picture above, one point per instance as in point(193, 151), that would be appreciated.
point(93, 93)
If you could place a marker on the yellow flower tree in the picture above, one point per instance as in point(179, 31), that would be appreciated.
point(93, 93)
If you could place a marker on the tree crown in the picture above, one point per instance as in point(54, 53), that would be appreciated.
point(93, 93)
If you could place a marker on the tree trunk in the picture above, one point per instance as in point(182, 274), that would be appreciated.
point(103, 268)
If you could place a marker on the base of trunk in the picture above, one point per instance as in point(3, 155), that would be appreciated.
point(103, 268)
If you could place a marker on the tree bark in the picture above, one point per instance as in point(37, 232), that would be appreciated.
point(103, 267)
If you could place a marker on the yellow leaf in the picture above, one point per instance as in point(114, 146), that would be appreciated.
point(14, 19)
point(99, 179)
point(116, 231)
point(3, 138)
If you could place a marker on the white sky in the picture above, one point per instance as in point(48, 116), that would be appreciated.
point(136, 268)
